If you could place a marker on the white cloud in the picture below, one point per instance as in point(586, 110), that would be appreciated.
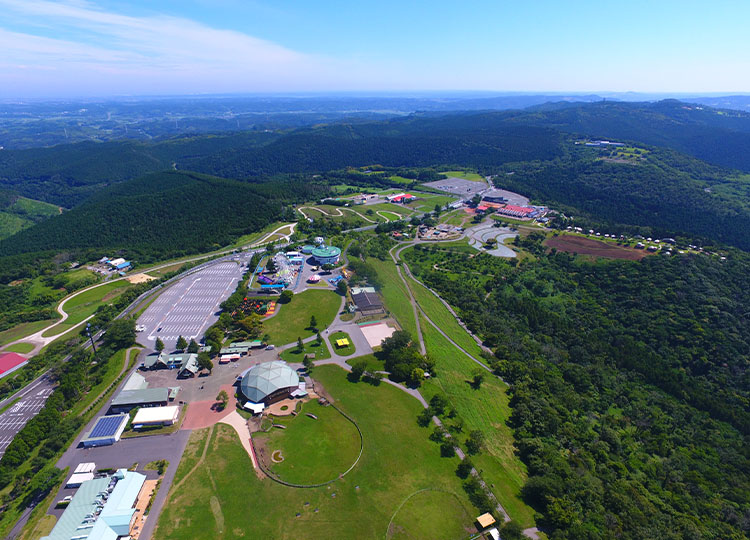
point(114, 53)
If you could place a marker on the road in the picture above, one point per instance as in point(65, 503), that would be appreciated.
point(29, 402)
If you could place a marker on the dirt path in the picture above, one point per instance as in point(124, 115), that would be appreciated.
point(412, 301)
point(200, 461)
point(276, 231)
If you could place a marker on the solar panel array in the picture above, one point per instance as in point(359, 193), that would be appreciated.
point(106, 426)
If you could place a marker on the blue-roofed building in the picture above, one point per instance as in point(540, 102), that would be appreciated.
point(101, 509)
point(106, 431)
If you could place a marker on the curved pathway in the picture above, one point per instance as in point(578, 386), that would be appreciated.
point(266, 238)
point(339, 213)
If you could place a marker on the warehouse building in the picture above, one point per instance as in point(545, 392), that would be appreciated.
point(106, 431)
point(156, 416)
point(269, 382)
point(127, 400)
point(326, 254)
point(103, 508)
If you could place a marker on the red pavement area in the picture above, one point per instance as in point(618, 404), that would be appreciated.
point(10, 360)
point(201, 414)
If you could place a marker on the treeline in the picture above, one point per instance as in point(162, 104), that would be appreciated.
point(629, 386)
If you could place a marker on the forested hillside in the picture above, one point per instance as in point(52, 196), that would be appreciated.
point(720, 137)
point(667, 193)
point(162, 215)
point(629, 383)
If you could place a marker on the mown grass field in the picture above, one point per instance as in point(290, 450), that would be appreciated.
point(395, 294)
point(224, 499)
point(313, 451)
point(21, 348)
point(22, 330)
point(485, 409)
point(373, 362)
point(342, 351)
point(440, 315)
point(388, 207)
point(463, 174)
point(86, 303)
point(321, 352)
point(293, 319)
point(428, 202)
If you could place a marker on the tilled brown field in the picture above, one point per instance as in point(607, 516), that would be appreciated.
point(588, 246)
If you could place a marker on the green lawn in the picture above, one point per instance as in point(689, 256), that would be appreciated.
point(21, 348)
point(372, 361)
point(293, 356)
point(342, 351)
point(254, 237)
point(485, 409)
point(409, 522)
point(463, 174)
point(22, 330)
point(429, 202)
point(293, 319)
point(395, 294)
point(223, 498)
point(86, 303)
point(440, 315)
point(313, 451)
point(388, 207)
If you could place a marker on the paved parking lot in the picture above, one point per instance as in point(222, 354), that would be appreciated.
point(459, 186)
point(31, 402)
point(190, 306)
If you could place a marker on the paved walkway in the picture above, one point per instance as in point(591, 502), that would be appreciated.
point(239, 424)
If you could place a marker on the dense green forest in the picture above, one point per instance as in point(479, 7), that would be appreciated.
point(667, 191)
point(164, 215)
point(629, 384)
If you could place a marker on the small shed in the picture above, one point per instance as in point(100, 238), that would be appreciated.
point(485, 521)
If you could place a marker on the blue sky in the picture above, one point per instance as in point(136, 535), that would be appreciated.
point(99, 48)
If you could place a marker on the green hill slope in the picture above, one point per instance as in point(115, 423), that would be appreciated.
point(19, 213)
point(159, 215)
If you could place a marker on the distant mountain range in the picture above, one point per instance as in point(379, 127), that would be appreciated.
point(31, 124)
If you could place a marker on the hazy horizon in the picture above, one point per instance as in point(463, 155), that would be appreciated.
point(98, 48)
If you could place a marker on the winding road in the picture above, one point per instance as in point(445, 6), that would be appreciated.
point(339, 213)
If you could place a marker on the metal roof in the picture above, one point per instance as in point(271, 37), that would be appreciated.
point(326, 252)
point(135, 382)
point(266, 378)
point(136, 397)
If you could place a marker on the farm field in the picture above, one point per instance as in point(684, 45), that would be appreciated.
point(293, 319)
point(342, 351)
point(223, 498)
point(588, 246)
point(395, 294)
point(86, 303)
point(485, 409)
point(313, 451)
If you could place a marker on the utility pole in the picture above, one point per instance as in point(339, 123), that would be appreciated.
point(88, 333)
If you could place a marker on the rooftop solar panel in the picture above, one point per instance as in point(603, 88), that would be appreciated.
point(106, 426)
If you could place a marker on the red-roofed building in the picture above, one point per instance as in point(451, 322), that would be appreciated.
point(401, 197)
point(9, 361)
point(517, 211)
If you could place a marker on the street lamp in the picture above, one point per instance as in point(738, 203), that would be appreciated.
point(88, 333)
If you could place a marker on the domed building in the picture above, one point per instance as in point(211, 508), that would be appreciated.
point(326, 254)
point(269, 382)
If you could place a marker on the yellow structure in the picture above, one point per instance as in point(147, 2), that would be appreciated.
point(343, 342)
point(485, 521)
